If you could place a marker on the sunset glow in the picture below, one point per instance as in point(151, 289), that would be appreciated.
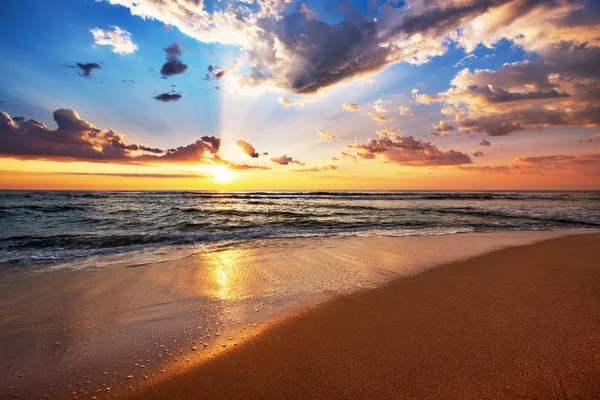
point(275, 95)
point(221, 174)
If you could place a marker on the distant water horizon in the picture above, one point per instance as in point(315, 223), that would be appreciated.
point(88, 228)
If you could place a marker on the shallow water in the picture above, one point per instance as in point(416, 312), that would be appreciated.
point(81, 229)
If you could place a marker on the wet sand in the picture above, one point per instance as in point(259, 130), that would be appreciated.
point(98, 332)
point(522, 322)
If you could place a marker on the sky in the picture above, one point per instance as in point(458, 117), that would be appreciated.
point(300, 95)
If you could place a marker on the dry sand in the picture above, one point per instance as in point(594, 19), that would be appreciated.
point(516, 323)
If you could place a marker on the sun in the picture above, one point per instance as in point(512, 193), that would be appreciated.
point(221, 174)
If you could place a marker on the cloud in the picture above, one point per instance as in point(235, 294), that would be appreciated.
point(557, 85)
point(133, 175)
point(284, 101)
point(404, 110)
point(349, 156)
point(401, 150)
point(351, 107)
point(330, 167)
point(379, 117)
point(597, 135)
point(174, 65)
point(247, 148)
point(168, 97)
point(85, 69)
point(285, 160)
point(484, 143)
point(477, 153)
point(119, 39)
point(424, 98)
point(75, 139)
point(326, 136)
point(465, 60)
point(216, 73)
point(584, 163)
point(378, 106)
point(287, 46)
point(443, 127)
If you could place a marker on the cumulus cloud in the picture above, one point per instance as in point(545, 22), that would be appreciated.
point(247, 148)
point(168, 97)
point(379, 117)
point(557, 85)
point(286, 46)
point(119, 39)
point(484, 143)
point(394, 148)
point(285, 160)
point(326, 136)
point(424, 98)
point(379, 107)
point(443, 127)
point(75, 139)
point(85, 69)
point(351, 107)
point(404, 110)
point(174, 65)
point(477, 153)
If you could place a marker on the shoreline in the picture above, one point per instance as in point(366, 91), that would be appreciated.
point(91, 329)
point(519, 322)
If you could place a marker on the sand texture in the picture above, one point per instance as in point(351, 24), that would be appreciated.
point(518, 323)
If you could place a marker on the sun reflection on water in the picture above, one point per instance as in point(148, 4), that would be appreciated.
point(224, 273)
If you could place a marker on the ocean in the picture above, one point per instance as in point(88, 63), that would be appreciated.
point(78, 229)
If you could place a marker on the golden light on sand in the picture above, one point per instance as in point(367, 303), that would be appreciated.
point(221, 174)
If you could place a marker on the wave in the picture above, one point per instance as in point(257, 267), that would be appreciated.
point(561, 218)
point(43, 208)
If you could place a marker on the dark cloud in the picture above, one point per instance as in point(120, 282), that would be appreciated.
point(484, 143)
point(247, 148)
point(173, 50)
point(408, 151)
point(167, 97)
point(477, 153)
point(174, 65)
point(304, 54)
point(75, 139)
point(214, 73)
point(85, 69)
point(2, 102)
point(295, 48)
point(285, 160)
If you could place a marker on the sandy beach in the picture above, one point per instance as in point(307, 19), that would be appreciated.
point(517, 323)
point(315, 318)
